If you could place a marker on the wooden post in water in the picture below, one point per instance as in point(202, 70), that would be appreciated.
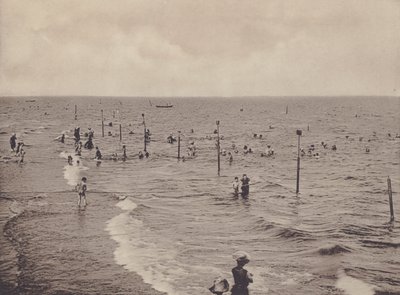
point(76, 112)
point(179, 145)
point(102, 124)
point(144, 128)
point(120, 132)
point(308, 127)
point(298, 132)
point(389, 182)
point(219, 150)
point(287, 110)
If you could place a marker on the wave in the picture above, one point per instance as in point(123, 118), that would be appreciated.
point(337, 249)
point(72, 172)
point(291, 233)
point(136, 254)
point(353, 286)
point(380, 244)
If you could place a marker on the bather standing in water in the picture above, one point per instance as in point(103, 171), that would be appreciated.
point(245, 186)
point(13, 140)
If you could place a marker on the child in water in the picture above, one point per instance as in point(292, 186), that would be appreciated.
point(82, 188)
point(241, 276)
point(235, 186)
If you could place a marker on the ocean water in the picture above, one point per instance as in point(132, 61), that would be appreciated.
point(178, 223)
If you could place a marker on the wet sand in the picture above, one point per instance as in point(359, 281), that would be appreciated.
point(51, 247)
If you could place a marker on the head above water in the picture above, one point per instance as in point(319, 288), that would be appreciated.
point(84, 179)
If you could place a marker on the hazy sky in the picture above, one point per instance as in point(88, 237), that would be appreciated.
point(199, 47)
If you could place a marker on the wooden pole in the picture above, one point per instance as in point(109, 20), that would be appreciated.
point(102, 124)
point(76, 112)
point(120, 132)
point(144, 127)
point(308, 127)
point(179, 145)
point(287, 110)
point(219, 153)
point(389, 182)
point(298, 132)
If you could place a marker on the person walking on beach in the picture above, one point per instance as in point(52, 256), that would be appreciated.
point(241, 276)
point(82, 188)
point(13, 141)
point(245, 186)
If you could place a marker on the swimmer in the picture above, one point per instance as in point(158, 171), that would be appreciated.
point(334, 148)
point(69, 159)
point(245, 186)
point(21, 154)
point(230, 157)
point(367, 149)
point(124, 157)
point(146, 154)
point(13, 140)
point(140, 155)
point(235, 186)
point(98, 154)
point(82, 188)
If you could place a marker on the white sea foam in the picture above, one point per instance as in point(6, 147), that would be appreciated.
point(353, 286)
point(138, 254)
point(72, 172)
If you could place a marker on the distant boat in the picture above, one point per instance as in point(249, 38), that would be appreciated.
point(164, 106)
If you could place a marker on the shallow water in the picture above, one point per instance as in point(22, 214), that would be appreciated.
point(179, 223)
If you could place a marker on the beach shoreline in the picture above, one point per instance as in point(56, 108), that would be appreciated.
point(47, 239)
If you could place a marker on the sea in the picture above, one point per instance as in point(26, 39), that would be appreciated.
point(176, 223)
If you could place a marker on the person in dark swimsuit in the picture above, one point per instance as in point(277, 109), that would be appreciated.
point(13, 141)
point(245, 186)
point(241, 276)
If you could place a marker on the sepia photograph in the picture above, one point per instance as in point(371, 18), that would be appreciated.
point(173, 147)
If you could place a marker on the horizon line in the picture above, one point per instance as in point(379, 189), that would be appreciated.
point(200, 96)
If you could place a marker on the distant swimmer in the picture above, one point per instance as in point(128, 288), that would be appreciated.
point(171, 138)
point(230, 157)
point(124, 157)
point(77, 134)
point(98, 154)
point(19, 146)
point(21, 153)
point(140, 155)
point(146, 154)
point(69, 159)
point(78, 148)
point(245, 186)
point(114, 156)
point(82, 188)
point(235, 186)
point(367, 149)
point(303, 153)
point(241, 276)
point(13, 141)
point(334, 148)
